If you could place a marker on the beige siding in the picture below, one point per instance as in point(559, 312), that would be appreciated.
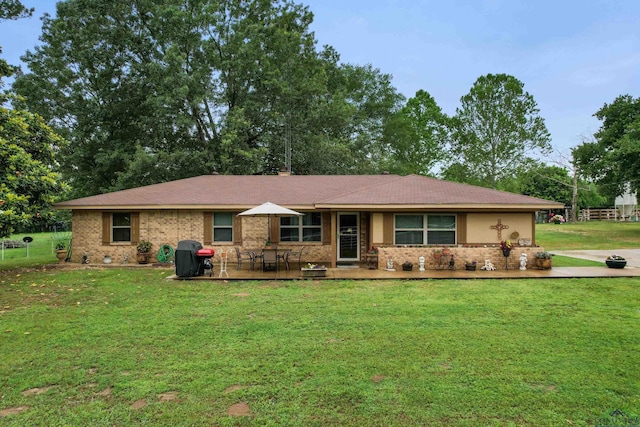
point(377, 229)
point(479, 225)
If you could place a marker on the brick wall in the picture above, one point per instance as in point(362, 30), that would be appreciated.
point(158, 227)
point(460, 255)
point(169, 227)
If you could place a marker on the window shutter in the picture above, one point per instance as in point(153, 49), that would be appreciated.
point(135, 228)
point(208, 228)
point(275, 229)
point(237, 230)
point(326, 228)
point(461, 228)
point(106, 228)
point(388, 228)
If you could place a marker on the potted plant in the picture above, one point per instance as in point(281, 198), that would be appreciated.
point(372, 258)
point(506, 247)
point(314, 270)
point(407, 266)
point(543, 260)
point(556, 219)
point(61, 252)
point(615, 261)
point(144, 251)
point(470, 265)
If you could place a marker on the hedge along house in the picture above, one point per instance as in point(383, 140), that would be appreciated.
point(404, 217)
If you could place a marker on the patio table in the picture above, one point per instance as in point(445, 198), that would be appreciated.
point(271, 257)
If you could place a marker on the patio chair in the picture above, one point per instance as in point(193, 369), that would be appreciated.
point(299, 255)
point(269, 257)
point(285, 259)
point(246, 255)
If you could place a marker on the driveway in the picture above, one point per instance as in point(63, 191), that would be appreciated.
point(631, 255)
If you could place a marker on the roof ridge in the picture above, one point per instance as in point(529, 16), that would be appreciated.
point(303, 192)
point(361, 188)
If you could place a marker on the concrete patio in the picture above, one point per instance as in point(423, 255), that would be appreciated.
point(363, 273)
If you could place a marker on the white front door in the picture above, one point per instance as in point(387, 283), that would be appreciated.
point(348, 236)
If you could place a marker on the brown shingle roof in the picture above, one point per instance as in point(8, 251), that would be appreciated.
point(306, 191)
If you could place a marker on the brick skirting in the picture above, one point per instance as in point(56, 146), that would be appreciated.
point(461, 255)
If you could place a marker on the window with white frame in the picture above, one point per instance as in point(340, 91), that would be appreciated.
point(307, 228)
point(425, 229)
point(223, 227)
point(121, 227)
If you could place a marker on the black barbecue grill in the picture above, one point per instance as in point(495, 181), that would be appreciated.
point(192, 259)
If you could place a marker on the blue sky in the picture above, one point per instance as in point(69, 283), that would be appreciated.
point(572, 56)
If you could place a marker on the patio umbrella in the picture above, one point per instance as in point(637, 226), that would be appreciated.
point(269, 209)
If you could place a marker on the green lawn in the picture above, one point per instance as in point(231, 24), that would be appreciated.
point(565, 261)
point(105, 347)
point(354, 353)
point(41, 251)
point(589, 235)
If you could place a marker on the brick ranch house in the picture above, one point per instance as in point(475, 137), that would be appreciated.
point(405, 217)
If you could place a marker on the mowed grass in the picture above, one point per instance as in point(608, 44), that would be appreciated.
point(128, 347)
point(589, 235)
point(41, 250)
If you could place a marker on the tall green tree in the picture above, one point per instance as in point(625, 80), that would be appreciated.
point(148, 91)
point(613, 159)
point(14, 9)
point(28, 183)
point(9, 10)
point(416, 137)
point(496, 130)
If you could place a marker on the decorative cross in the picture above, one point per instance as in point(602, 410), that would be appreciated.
point(499, 226)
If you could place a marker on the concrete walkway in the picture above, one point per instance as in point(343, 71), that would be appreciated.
point(631, 255)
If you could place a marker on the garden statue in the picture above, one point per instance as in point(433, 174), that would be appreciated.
point(523, 261)
point(421, 263)
point(390, 265)
point(488, 265)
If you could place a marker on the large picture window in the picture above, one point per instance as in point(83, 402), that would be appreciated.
point(425, 229)
point(121, 227)
point(223, 227)
point(307, 228)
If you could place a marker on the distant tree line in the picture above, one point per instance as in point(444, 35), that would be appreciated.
point(145, 91)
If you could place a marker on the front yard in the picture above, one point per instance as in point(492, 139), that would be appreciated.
point(127, 347)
